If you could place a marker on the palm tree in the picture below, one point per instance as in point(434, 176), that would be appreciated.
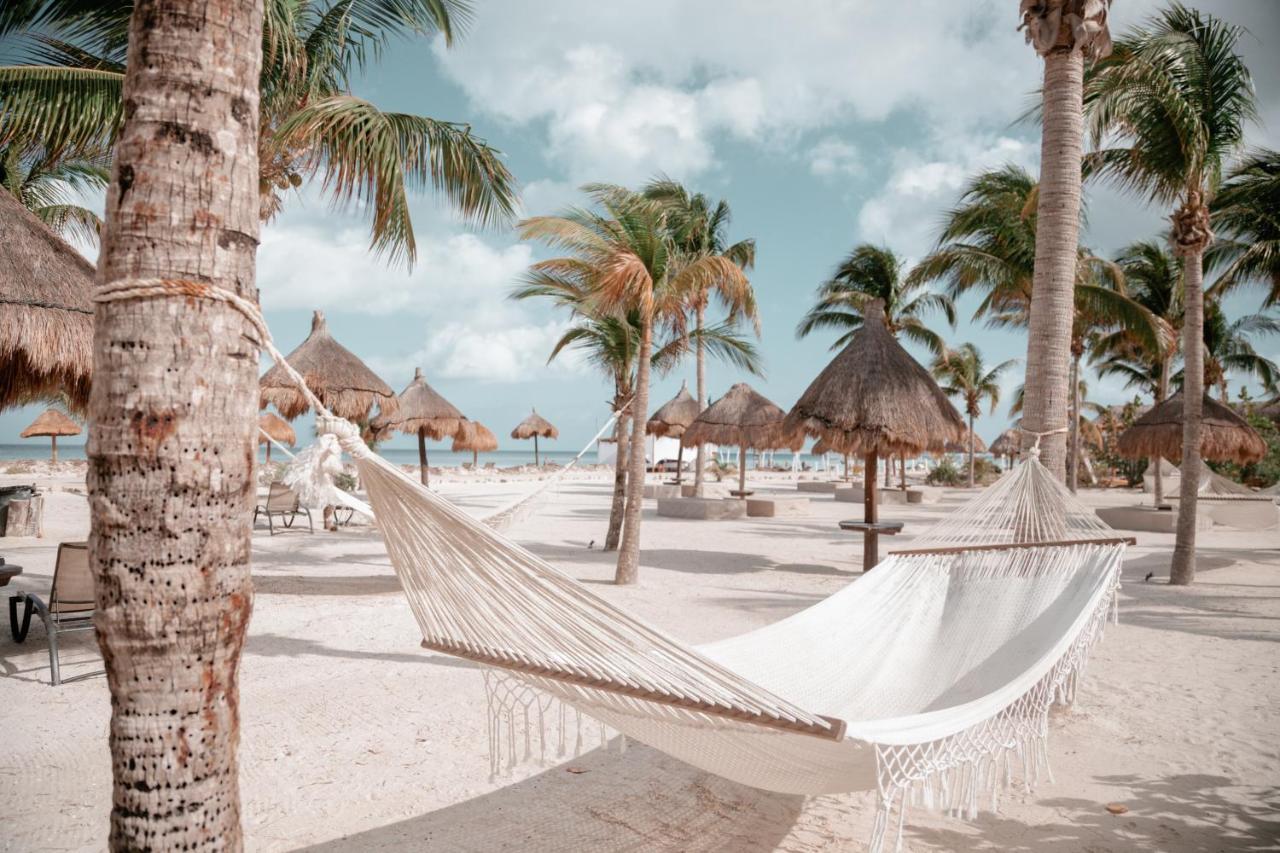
point(48, 187)
point(68, 102)
point(1171, 105)
point(623, 254)
point(1065, 33)
point(700, 230)
point(169, 541)
point(1228, 348)
point(875, 272)
point(962, 373)
point(1246, 213)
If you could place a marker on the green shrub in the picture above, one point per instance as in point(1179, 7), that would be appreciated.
point(945, 473)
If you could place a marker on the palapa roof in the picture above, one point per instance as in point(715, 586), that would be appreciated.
point(1270, 410)
point(1224, 435)
point(1008, 443)
point(421, 408)
point(342, 382)
point(874, 397)
point(46, 312)
point(51, 422)
point(533, 425)
point(674, 417)
point(276, 427)
point(474, 437)
point(743, 418)
point(961, 444)
point(821, 448)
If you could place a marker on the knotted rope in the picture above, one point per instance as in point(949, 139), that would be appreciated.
point(1033, 452)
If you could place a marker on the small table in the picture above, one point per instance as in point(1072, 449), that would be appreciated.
point(887, 528)
point(737, 494)
point(8, 571)
point(342, 515)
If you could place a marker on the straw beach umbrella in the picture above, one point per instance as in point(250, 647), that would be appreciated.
point(1006, 444)
point(672, 419)
point(476, 438)
point(1224, 435)
point(52, 423)
point(535, 426)
point(272, 426)
point(421, 411)
point(746, 419)
point(342, 382)
point(876, 400)
point(46, 316)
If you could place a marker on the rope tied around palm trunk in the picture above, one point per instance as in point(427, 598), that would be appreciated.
point(1033, 452)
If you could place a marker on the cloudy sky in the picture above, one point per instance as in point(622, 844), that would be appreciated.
point(824, 123)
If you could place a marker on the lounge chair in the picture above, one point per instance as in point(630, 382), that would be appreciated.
point(70, 607)
point(282, 501)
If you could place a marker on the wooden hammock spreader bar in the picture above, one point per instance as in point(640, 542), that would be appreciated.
point(832, 729)
point(1009, 546)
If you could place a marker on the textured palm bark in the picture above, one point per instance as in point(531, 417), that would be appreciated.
point(620, 462)
point(700, 359)
point(1057, 242)
point(173, 423)
point(972, 449)
point(628, 570)
point(1073, 424)
point(1162, 391)
point(1183, 570)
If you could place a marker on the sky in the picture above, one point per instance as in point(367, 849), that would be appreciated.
point(824, 123)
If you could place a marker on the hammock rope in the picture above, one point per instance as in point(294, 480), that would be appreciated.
point(928, 680)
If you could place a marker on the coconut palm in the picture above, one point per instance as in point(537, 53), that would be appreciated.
point(1229, 348)
point(875, 272)
point(1165, 112)
point(1246, 214)
point(170, 534)
point(49, 187)
point(1065, 33)
point(67, 102)
point(961, 373)
point(622, 253)
point(700, 229)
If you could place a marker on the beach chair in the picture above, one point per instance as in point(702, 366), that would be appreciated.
point(282, 501)
point(70, 606)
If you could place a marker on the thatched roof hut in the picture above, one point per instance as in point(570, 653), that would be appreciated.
point(475, 437)
point(277, 428)
point(1008, 443)
point(342, 382)
point(961, 444)
point(420, 411)
point(1269, 410)
point(51, 423)
point(535, 426)
point(1224, 435)
point(46, 313)
point(746, 419)
point(675, 416)
point(875, 398)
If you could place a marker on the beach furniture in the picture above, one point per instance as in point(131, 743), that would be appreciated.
point(282, 502)
point(69, 608)
point(778, 506)
point(702, 509)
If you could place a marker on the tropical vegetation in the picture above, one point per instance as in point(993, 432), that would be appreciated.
point(962, 373)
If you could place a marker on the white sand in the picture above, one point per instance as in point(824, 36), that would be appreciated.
point(356, 739)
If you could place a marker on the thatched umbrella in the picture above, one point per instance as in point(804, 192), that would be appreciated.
point(1270, 410)
point(52, 423)
point(46, 316)
point(875, 399)
point(535, 426)
point(272, 426)
point(746, 419)
point(343, 383)
point(672, 419)
point(421, 411)
point(475, 437)
point(1224, 435)
point(1007, 444)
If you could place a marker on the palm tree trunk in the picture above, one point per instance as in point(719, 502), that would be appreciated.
point(619, 477)
point(1073, 427)
point(1162, 391)
point(423, 473)
point(700, 358)
point(169, 537)
point(628, 570)
point(1183, 570)
point(1057, 243)
point(972, 447)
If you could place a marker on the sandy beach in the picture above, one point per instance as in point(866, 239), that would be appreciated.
point(354, 738)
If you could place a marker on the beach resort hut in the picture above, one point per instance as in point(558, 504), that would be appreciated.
point(747, 420)
point(345, 385)
point(475, 438)
point(1270, 410)
point(272, 427)
point(421, 411)
point(535, 426)
point(52, 423)
point(46, 316)
point(1007, 445)
point(672, 419)
point(874, 399)
point(1224, 435)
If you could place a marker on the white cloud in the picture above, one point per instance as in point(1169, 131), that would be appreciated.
point(832, 156)
point(485, 352)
